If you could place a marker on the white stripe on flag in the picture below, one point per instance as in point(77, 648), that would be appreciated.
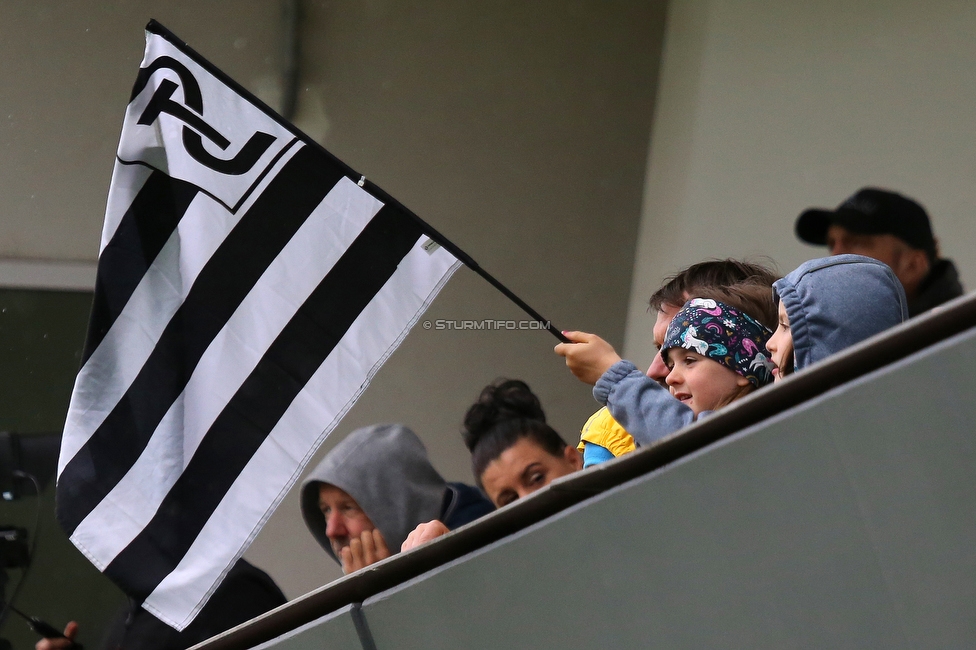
point(230, 358)
point(127, 180)
point(221, 313)
point(280, 460)
point(116, 362)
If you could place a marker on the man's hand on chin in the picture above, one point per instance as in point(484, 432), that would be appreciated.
point(368, 548)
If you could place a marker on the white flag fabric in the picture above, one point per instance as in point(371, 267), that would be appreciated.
point(249, 286)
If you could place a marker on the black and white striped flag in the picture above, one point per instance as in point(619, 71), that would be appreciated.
point(249, 286)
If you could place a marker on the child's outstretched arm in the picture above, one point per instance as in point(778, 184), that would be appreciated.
point(587, 356)
point(645, 409)
point(641, 406)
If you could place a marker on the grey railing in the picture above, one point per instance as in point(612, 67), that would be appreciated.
point(458, 592)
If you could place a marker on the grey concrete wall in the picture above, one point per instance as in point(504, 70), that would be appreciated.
point(846, 522)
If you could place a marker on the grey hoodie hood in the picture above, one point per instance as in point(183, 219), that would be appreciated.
point(835, 302)
point(385, 469)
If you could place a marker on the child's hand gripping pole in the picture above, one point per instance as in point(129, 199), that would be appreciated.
point(587, 356)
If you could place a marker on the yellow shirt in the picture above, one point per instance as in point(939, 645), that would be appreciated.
point(601, 429)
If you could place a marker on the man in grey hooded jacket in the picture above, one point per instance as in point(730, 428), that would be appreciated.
point(375, 487)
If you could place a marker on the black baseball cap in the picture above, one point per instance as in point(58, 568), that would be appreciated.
point(871, 211)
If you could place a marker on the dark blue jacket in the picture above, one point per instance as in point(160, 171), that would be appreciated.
point(463, 504)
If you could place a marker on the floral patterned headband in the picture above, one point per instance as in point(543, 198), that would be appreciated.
point(722, 333)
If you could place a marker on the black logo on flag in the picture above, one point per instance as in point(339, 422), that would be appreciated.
point(196, 127)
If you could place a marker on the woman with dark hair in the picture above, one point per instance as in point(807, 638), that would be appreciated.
point(513, 451)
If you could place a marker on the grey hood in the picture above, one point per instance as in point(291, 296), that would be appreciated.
point(385, 469)
point(835, 302)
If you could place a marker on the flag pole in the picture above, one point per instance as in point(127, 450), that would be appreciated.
point(467, 260)
point(156, 28)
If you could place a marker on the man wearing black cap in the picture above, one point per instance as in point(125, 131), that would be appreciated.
point(890, 228)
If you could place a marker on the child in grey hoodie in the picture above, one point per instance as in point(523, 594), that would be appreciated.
point(829, 304)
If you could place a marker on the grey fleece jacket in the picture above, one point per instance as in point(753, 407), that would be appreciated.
point(385, 469)
point(832, 303)
point(642, 406)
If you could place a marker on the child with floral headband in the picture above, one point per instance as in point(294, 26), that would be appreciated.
point(715, 352)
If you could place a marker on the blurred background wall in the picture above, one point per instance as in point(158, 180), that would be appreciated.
point(579, 150)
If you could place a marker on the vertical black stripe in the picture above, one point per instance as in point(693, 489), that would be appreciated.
point(146, 225)
point(240, 429)
point(219, 289)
